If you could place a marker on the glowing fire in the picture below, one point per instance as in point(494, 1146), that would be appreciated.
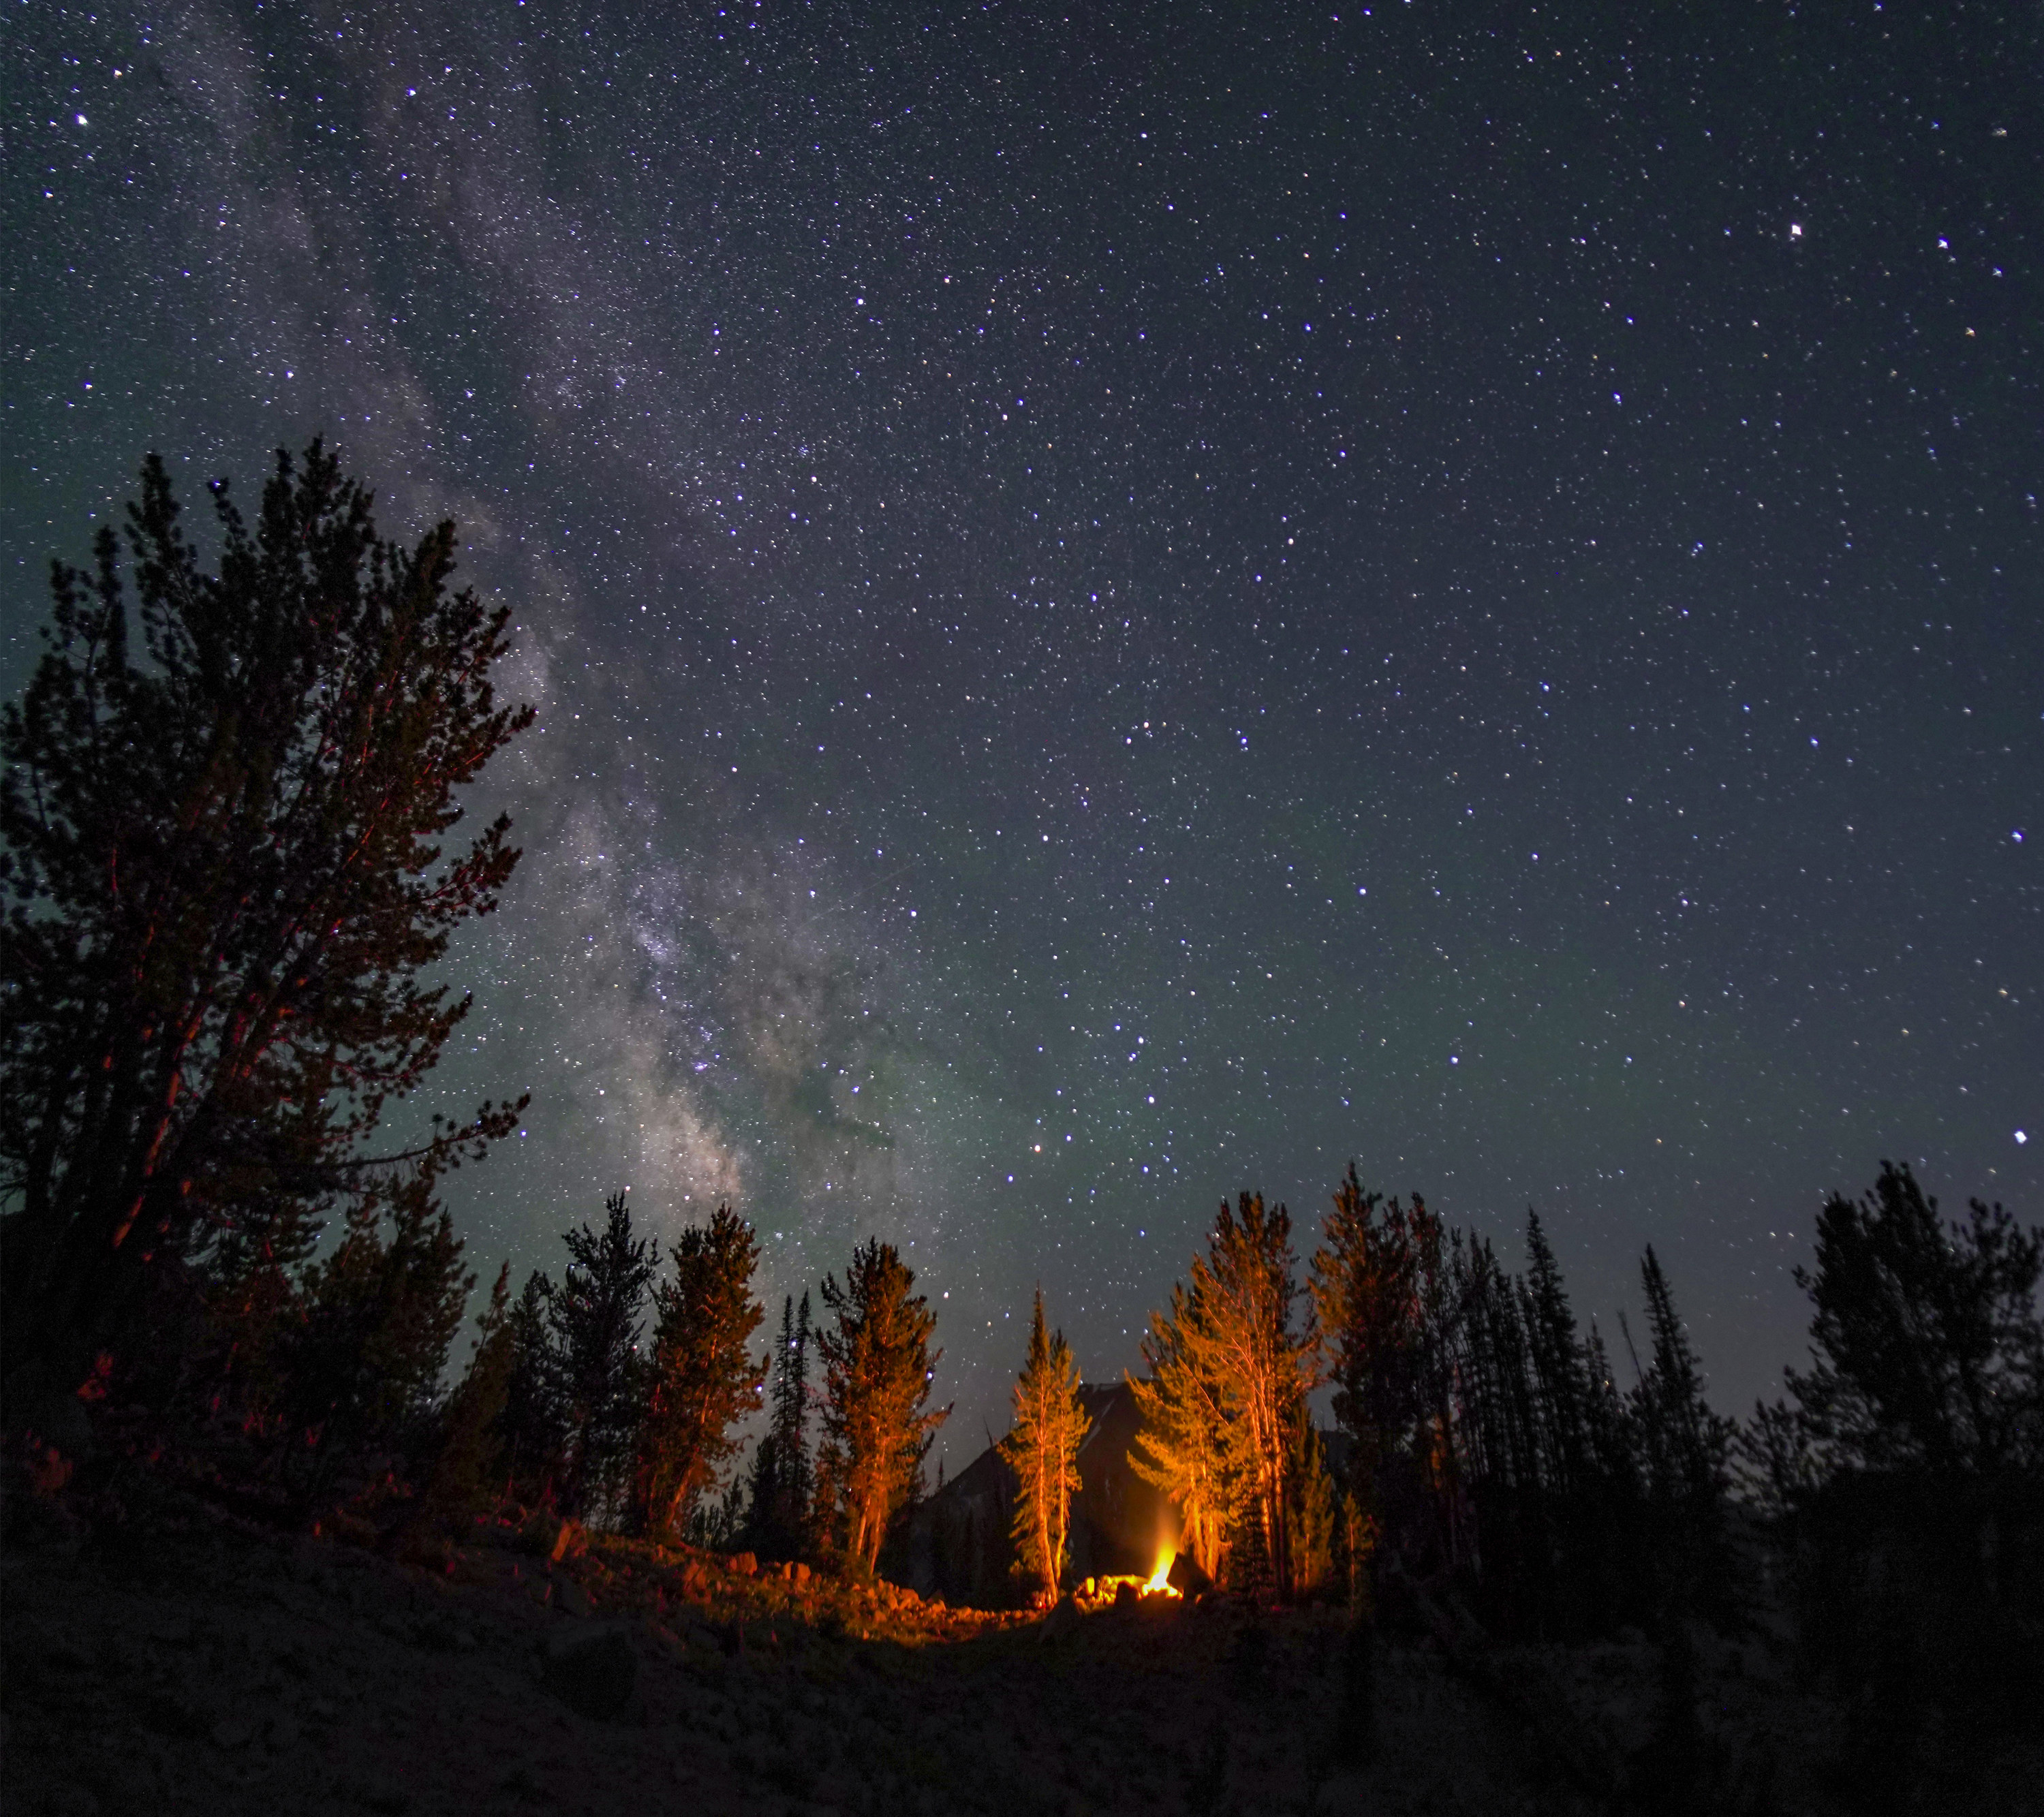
point(1159, 1584)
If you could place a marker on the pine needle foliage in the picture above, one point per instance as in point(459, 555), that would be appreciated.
point(224, 808)
point(594, 1323)
point(1228, 1367)
point(781, 1481)
point(702, 1379)
point(877, 1425)
point(1926, 1345)
point(1042, 1449)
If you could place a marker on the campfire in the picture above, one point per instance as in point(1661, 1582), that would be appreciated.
point(1096, 1592)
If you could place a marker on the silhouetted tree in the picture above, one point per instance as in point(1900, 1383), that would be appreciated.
point(784, 1523)
point(363, 1357)
point(1927, 1347)
point(1686, 1447)
point(223, 810)
point(878, 1371)
point(468, 1472)
point(702, 1380)
point(592, 1320)
point(1043, 1450)
point(532, 1427)
point(1560, 1365)
point(1386, 1322)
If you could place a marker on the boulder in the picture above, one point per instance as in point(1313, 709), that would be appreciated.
point(591, 1668)
point(1187, 1578)
point(1063, 1619)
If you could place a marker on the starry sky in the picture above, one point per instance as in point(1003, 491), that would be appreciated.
point(1133, 604)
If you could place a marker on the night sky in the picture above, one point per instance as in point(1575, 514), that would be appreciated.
point(1131, 605)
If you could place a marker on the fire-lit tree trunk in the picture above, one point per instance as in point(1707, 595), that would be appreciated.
point(1042, 1450)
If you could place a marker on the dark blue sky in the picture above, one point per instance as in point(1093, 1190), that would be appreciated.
point(1131, 605)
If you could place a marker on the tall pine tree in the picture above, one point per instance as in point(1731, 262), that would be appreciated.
point(592, 1320)
point(780, 1482)
point(701, 1380)
point(1687, 1447)
point(878, 1370)
point(1231, 1345)
point(1042, 1450)
point(223, 810)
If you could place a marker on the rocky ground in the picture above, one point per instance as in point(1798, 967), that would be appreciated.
point(215, 1667)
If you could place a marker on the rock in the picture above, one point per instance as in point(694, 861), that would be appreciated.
point(591, 1669)
point(1186, 1578)
point(1063, 1620)
point(745, 1564)
point(571, 1596)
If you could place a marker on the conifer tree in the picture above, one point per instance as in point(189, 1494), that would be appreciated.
point(777, 1520)
point(1184, 1443)
point(531, 1429)
point(223, 809)
point(1314, 1516)
point(878, 1371)
point(1686, 1446)
point(701, 1380)
point(1376, 1293)
point(592, 1320)
point(1558, 1364)
point(1231, 1345)
point(1927, 1346)
point(468, 1469)
point(1050, 1424)
point(365, 1351)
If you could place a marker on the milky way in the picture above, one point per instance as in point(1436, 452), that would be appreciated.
point(1133, 605)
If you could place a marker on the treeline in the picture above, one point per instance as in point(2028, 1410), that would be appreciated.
point(1483, 1433)
point(615, 1396)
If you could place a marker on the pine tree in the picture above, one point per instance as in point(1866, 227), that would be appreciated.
point(1607, 1427)
point(878, 1370)
point(777, 1508)
point(1042, 1449)
point(1185, 1444)
point(468, 1472)
point(1687, 1447)
point(1230, 1353)
point(363, 1359)
point(531, 1429)
point(592, 1329)
point(1557, 1361)
point(1384, 1333)
point(702, 1380)
point(1314, 1516)
point(223, 825)
point(1927, 1346)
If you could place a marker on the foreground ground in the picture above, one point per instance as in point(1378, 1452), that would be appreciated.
point(218, 1668)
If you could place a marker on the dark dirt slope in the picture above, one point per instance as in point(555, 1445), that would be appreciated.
point(216, 1668)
